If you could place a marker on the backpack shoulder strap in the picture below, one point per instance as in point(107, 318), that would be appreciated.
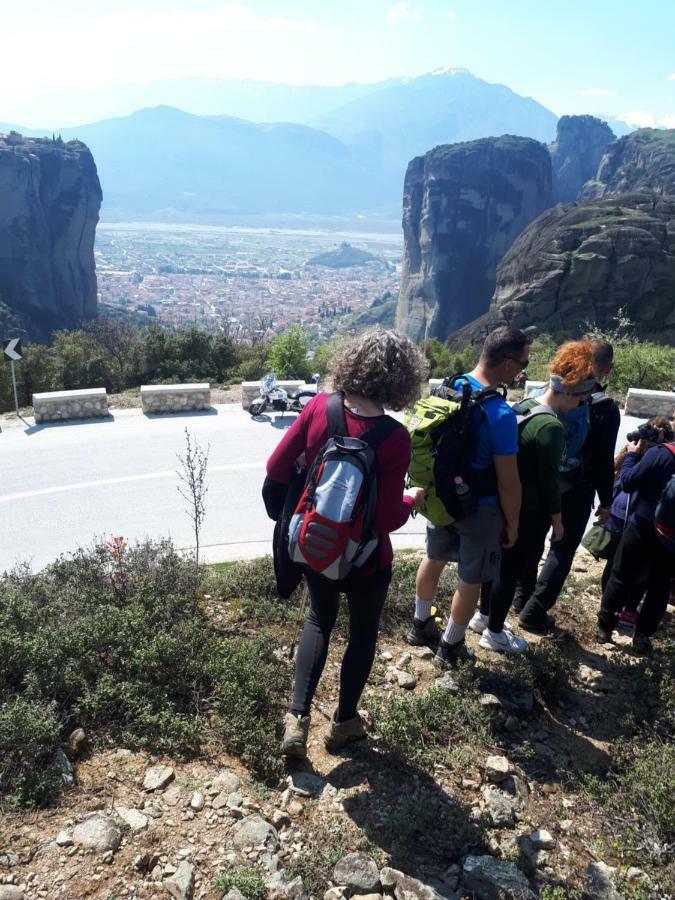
point(489, 393)
point(376, 435)
point(335, 414)
point(670, 447)
point(524, 415)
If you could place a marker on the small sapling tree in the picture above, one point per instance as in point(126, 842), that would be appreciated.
point(193, 487)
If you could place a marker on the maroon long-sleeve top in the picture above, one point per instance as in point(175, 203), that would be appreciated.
point(309, 433)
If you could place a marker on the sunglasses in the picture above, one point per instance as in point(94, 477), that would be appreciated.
point(523, 363)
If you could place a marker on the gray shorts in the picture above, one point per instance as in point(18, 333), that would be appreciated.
point(474, 543)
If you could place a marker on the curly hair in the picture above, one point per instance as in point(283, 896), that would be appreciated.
point(381, 365)
point(573, 362)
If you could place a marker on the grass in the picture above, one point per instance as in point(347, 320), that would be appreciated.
point(245, 879)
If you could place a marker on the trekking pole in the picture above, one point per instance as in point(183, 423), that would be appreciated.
point(299, 620)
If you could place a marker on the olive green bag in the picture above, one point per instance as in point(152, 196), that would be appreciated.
point(597, 541)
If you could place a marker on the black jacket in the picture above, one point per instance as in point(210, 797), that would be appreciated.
point(600, 447)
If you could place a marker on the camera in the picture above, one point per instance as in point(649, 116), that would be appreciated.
point(645, 432)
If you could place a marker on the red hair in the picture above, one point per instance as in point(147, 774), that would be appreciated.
point(573, 362)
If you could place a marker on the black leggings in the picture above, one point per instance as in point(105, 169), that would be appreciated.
point(365, 600)
point(519, 564)
point(641, 563)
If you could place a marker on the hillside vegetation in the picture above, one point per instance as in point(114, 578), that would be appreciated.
point(119, 659)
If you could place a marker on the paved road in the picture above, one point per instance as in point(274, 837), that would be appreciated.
point(61, 486)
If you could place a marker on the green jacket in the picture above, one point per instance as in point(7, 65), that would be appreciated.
point(541, 444)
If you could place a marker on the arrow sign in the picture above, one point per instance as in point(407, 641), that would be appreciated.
point(12, 349)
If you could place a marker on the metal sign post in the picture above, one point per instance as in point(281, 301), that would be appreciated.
point(12, 350)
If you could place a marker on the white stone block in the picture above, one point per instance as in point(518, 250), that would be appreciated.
point(644, 404)
point(533, 386)
point(59, 406)
point(167, 398)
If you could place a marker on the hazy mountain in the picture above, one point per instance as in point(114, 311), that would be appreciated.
point(408, 118)
point(160, 161)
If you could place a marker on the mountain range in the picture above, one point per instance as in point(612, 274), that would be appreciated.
point(344, 150)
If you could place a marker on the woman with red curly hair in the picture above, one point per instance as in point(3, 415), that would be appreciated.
point(541, 445)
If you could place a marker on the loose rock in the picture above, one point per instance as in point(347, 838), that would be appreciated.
point(497, 768)
point(255, 832)
point(182, 883)
point(542, 840)
point(10, 892)
point(97, 833)
point(500, 808)
point(447, 683)
point(280, 887)
point(198, 801)
point(76, 741)
point(600, 881)
point(64, 767)
point(157, 777)
point(405, 680)
point(492, 879)
point(63, 839)
point(305, 784)
point(225, 782)
point(134, 819)
point(358, 872)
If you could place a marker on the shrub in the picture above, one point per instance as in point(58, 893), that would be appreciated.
point(119, 641)
point(245, 879)
point(429, 728)
point(29, 737)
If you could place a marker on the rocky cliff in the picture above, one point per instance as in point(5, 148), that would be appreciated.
point(50, 198)
point(643, 160)
point(579, 146)
point(580, 263)
point(463, 205)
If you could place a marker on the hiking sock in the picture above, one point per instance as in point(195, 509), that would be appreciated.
point(454, 632)
point(423, 608)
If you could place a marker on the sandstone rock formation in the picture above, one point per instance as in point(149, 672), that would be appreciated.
point(50, 198)
point(583, 262)
point(463, 205)
point(579, 146)
point(643, 160)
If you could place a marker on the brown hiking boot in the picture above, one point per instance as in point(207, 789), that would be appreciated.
point(294, 743)
point(342, 733)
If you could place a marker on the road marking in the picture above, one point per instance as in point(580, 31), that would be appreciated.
point(123, 479)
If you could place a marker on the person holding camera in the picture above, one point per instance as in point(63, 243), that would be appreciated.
point(656, 431)
point(642, 562)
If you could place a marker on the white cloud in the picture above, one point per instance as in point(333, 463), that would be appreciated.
point(671, 77)
point(641, 118)
point(599, 92)
point(403, 12)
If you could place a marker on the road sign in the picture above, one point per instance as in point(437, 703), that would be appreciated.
point(12, 349)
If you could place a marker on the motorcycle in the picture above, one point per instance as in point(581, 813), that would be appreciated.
point(274, 398)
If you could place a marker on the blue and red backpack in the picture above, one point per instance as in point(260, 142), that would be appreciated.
point(331, 531)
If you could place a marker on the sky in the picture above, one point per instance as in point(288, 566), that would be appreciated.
point(610, 56)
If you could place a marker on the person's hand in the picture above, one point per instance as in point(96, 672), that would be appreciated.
point(419, 496)
point(557, 532)
point(636, 447)
point(509, 536)
point(602, 515)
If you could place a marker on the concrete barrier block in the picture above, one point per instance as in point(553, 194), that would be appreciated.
point(251, 389)
point(533, 386)
point(644, 404)
point(171, 398)
point(60, 406)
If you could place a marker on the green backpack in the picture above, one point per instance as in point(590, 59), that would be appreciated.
point(442, 438)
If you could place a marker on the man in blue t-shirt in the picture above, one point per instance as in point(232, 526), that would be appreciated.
point(475, 542)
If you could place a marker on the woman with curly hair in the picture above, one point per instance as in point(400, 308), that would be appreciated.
point(541, 444)
point(378, 369)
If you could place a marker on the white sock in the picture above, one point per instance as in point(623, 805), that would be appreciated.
point(454, 632)
point(423, 608)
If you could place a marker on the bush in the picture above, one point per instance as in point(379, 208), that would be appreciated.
point(444, 362)
point(642, 365)
point(288, 354)
point(118, 640)
point(245, 879)
point(29, 737)
point(429, 728)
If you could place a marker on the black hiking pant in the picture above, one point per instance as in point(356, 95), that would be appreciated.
point(519, 564)
point(365, 600)
point(641, 564)
point(576, 507)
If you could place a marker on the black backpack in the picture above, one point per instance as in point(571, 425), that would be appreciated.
point(664, 520)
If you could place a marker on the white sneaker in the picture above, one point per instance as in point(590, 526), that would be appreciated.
point(479, 622)
point(502, 642)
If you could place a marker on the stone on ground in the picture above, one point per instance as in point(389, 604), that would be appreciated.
point(10, 892)
point(358, 872)
point(157, 777)
point(306, 784)
point(134, 819)
point(254, 831)
point(225, 782)
point(280, 887)
point(542, 839)
point(500, 807)
point(182, 883)
point(492, 879)
point(97, 833)
point(599, 877)
point(497, 768)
